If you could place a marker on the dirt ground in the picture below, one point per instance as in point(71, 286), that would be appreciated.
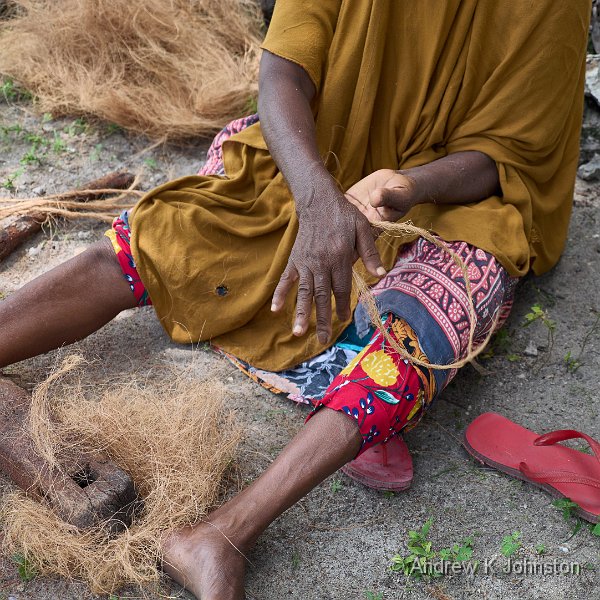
point(337, 543)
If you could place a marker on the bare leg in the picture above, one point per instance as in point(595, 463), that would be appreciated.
point(203, 560)
point(64, 305)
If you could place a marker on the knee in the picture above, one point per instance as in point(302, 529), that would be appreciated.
point(102, 255)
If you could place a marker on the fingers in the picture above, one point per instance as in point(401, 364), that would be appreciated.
point(303, 302)
point(365, 244)
point(322, 295)
point(286, 282)
point(342, 286)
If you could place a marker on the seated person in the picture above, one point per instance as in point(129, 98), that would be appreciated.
point(461, 116)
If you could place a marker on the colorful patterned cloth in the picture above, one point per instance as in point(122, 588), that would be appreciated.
point(120, 236)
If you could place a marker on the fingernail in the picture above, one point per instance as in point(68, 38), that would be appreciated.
point(273, 307)
point(297, 330)
point(381, 271)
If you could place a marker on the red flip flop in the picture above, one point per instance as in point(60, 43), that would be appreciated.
point(385, 467)
point(566, 473)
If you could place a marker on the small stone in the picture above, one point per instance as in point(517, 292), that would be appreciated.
point(84, 235)
point(40, 190)
point(230, 379)
point(31, 252)
point(521, 376)
point(564, 549)
point(590, 171)
point(531, 349)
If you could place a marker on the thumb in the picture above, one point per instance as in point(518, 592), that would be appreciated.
point(396, 198)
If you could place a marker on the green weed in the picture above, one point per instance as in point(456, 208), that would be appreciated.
point(95, 153)
point(7, 89)
point(573, 363)
point(373, 595)
point(540, 549)
point(58, 145)
point(538, 314)
point(511, 543)
point(336, 485)
point(418, 563)
point(151, 164)
point(26, 570)
point(9, 181)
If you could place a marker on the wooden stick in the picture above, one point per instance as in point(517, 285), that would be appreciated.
point(16, 231)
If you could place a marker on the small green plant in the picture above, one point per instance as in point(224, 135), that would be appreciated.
point(9, 181)
point(151, 164)
point(26, 570)
point(458, 552)
point(538, 314)
point(295, 560)
point(112, 128)
point(571, 362)
point(511, 543)
point(418, 563)
point(95, 153)
point(513, 357)
point(58, 145)
point(369, 595)
point(595, 529)
point(540, 549)
point(77, 126)
point(336, 485)
point(388, 494)
point(568, 507)
point(7, 89)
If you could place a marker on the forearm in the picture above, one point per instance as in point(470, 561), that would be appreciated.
point(288, 126)
point(458, 178)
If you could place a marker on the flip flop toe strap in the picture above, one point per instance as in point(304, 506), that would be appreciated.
point(567, 434)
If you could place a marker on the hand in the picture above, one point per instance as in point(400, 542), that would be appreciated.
point(385, 195)
point(332, 234)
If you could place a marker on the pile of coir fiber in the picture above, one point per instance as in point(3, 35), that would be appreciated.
point(167, 68)
point(175, 440)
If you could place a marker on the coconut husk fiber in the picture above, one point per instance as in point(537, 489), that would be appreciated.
point(165, 68)
point(175, 439)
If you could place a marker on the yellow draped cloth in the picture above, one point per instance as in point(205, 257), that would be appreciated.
point(400, 83)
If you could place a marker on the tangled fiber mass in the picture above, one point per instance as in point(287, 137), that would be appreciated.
point(175, 440)
point(166, 68)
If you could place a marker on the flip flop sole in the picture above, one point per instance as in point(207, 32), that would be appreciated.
point(497, 442)
point(584, 514)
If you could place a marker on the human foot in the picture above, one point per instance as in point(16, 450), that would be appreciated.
point(205, 563)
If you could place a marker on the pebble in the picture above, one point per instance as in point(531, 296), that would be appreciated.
point(40, 190)
point(564, 549)
point(590, 171)
point(84, 235)
point(31, 252)
point(531, 349)
point(521, 376)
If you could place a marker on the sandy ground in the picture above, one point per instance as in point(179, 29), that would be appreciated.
point(337, 543)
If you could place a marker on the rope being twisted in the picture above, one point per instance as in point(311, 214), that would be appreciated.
point(368, 299)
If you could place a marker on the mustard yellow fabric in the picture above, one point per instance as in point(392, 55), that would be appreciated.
point(400, 83)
